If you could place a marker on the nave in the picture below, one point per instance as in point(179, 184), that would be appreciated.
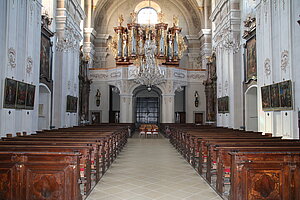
point(151, 169)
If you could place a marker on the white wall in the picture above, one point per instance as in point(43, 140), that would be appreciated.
point(226, 19)
point(20, 24)
point(190, 101)
point(278, 32)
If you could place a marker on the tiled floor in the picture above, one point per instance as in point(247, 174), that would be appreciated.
point(151, 169)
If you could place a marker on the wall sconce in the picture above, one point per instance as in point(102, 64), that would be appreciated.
point(196, 99)
point(98, 95)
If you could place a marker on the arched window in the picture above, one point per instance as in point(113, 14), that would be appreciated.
point(147, 16)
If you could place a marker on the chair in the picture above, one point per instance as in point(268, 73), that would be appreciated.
point(148, 131)
point(155, 132)
point(142, 132)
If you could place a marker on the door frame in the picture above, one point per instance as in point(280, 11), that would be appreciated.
point(203, 113)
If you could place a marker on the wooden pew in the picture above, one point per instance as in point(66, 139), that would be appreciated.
point(265, 174)
point(212, 143)
point(39, 175)
point(85, 158)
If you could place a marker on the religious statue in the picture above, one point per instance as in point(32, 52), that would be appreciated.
point(175, 21)
point(120, 20)
point(170, 46)
point(162, 43)
point(161, 17)
point(133, 17)
point(125, 46)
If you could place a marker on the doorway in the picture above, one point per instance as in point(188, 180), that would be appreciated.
point(147, 105)
point(251, 110)
point(147, 110)
point(44, 109)
point(198, 118)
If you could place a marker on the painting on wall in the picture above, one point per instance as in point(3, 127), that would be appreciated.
point(226, 104)
point(223, 104)
point(30, 97)
point(21, 95)
point(251, 63)
point(72, 104)
point(266, 98)
point(45, 58)
point(285, 95)
point(275, 103)
point(10, 93)
point(68, 103)
point(220, 106)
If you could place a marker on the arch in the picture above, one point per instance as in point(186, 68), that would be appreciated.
point(106, 9)
point(145, 4)
point(142, 88)
point(147, 16)
point(147, 105)
point(45, 108)
point(136, 86)
point(251, 109)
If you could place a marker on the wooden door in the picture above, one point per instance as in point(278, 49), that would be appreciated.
point(198, 118)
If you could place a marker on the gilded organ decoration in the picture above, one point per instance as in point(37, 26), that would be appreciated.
point(128, 43)
point(161, 17)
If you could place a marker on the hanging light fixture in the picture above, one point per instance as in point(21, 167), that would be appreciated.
point(149, 73)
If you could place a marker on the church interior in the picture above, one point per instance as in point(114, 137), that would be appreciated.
point(149, 99)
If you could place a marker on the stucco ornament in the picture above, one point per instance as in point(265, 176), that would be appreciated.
point(267, 67)
point(284, 60)
point(12, 57)
point(29, 65)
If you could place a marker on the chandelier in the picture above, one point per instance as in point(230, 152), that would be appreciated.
point(149, 73)
point(147, 47)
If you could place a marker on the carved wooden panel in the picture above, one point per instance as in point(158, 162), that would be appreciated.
point(6, 190)
point(45, 184)
point(264, 184)
point(296, 177)
point(39, 176)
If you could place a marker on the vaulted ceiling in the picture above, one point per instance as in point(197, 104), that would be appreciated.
point(106, 12)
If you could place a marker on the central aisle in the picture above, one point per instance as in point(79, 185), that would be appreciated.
point(151, 169)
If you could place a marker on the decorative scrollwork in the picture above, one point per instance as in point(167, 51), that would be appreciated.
point(29, 65)
point(12, 57)
point(267, 67)
point(284, 60)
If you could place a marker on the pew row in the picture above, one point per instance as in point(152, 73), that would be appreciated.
point(219, 156)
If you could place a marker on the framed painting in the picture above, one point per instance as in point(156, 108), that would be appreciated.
point(45, 58)
point(266, 97)
point(30, 96)
point(251, 63)
point(285, 95)
point(75, 104)
point(68, 103)
point(10, 93)
point(21, 95)
point(226, 104)
point(275, 101)
point(220, 105)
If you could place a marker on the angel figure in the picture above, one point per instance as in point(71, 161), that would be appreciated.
point(175, 21)
point(133, 17)
point(120, 20)
point(161, 17)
